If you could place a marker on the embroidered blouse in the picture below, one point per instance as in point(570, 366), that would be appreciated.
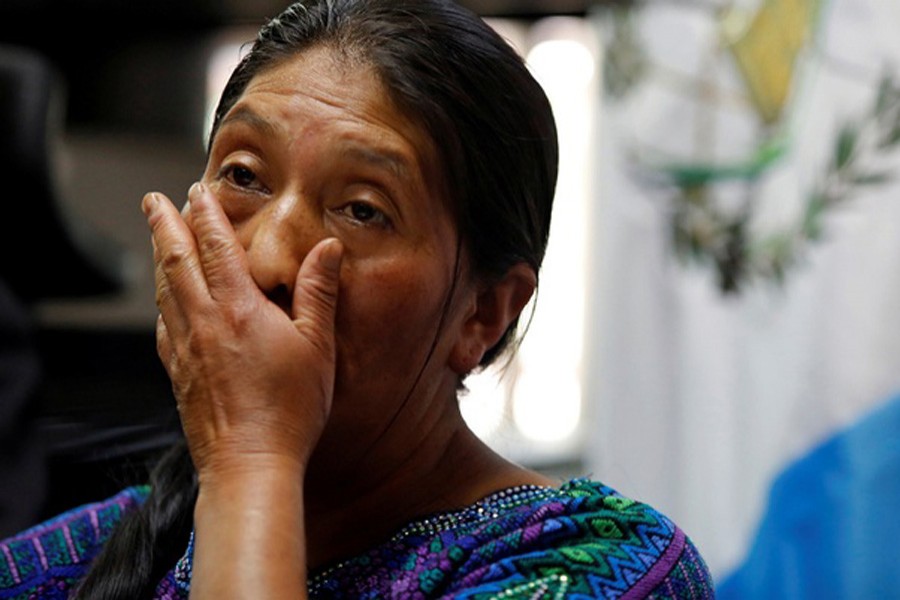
point(581, 540)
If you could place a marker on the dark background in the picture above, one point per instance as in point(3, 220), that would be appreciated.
point(120, 59)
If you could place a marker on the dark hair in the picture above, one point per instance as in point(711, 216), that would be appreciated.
point(147, 543)
point(495, 136)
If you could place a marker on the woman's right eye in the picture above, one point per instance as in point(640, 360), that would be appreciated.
point(241, 177)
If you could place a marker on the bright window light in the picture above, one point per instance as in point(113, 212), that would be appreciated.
point(484, 405)
point(546, 409)
point(227, 51)
point(563, 63)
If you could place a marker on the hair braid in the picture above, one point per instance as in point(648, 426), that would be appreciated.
point(149, 541)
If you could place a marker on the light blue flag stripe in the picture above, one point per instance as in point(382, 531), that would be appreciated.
point(832, 526)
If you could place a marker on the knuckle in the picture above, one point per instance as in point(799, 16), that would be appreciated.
point(215, 245)
point(237, 315)
point(243, 315)
point(175, 257)
point(162, 295)
point(199, 340)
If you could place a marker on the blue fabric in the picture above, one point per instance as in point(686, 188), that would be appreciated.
point(832, 528)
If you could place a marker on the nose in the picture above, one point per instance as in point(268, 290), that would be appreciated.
point(277, 239)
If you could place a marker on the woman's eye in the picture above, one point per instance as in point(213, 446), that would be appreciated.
point(362, 212)
point(241, 177)
point(365, 213)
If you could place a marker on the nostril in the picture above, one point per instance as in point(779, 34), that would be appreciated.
point(281, 296)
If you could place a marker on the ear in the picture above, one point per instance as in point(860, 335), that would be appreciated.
point(495, 307)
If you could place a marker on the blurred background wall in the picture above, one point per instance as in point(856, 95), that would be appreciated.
point(715, 331)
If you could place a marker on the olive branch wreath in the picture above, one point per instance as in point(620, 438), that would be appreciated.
point(702, 231)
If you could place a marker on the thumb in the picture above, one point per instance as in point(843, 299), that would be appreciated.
point(316, 294)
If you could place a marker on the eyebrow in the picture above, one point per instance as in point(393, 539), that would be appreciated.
point(386, 159)
point(246, 115)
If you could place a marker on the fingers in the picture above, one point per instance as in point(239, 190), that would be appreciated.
point(195, 262)
point(202, 262)
point(179, 274)
point(222, 256)
point(316, 293)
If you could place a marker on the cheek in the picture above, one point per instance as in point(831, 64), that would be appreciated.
point(388, 313)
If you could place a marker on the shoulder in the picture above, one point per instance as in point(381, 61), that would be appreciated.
point(49, 558)
point(585, 540)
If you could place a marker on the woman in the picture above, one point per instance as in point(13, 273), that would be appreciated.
point(370, 224)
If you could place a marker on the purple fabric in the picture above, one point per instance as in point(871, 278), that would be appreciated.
point(581, 540)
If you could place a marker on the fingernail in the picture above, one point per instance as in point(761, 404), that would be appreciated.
point(196, 189)
point(332, 254)
point(149, 204)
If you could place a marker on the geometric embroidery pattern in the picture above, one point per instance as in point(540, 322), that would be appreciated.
point(581, 540)
point(47, 560)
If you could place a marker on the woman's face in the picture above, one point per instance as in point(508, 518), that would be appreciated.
point(314, 148)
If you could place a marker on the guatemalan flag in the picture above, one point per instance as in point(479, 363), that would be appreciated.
point(766, 421)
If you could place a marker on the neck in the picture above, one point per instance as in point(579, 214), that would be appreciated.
point(413, 471)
